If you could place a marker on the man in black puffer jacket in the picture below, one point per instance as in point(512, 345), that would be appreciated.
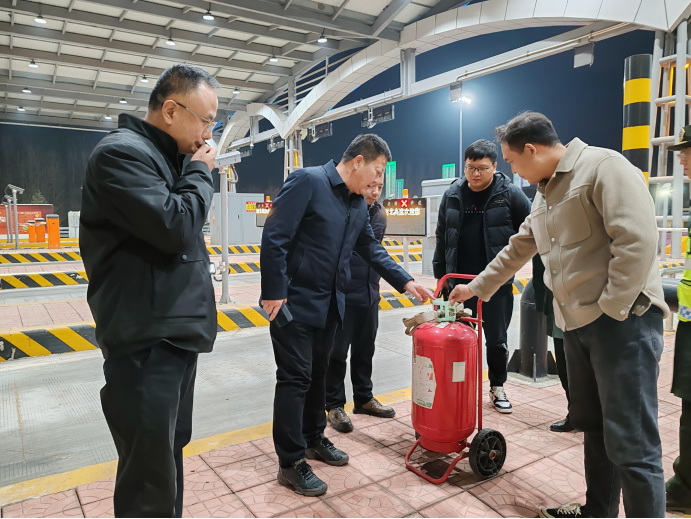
point(477, 217)
point(359, 330)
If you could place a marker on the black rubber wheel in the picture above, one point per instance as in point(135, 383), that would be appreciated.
point(487, 453)
point(417, 435)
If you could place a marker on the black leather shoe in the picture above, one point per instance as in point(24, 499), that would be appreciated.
point(327, 452)
point(675, 505)
point(301, 479)
point(561, 426)
point(339, 420)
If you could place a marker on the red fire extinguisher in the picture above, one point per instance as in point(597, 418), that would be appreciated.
point(447, 390)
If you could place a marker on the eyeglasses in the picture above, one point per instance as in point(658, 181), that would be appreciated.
point(210, 124)
point(483, 169)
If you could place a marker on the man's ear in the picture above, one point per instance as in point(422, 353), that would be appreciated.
point(168, 111)
point(531, 149)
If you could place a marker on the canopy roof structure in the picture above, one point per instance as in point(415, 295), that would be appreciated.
point(79, 63)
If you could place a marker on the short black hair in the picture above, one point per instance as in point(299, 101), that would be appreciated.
point(527, 128)
point(370, 146)
point(179, 79)
point(481, 149)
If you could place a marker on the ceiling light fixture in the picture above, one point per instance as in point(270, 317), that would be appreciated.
point(123, 101)
point(40, 19)
point(21, 109)
point(273, 59)
point(26, 90)
point(236, 91)
point(107, 117)
point(33, 64)
point(170, 42)
point(144, 79)
point(322, 38)
point(208, 15)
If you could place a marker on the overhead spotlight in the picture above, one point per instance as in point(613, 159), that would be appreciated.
point(33, 64)
point(322, 38)
point(273, 59)
point(108, 118)
point(143, 80)
point(20, 109)
point(26, 90)
point(40, 19)
point(236, 91)
point(170, 42)
point(123, 101)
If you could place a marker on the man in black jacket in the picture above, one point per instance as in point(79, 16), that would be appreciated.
point(316, 222)
point(150, 291)
point(359, 329)
point(477, 216)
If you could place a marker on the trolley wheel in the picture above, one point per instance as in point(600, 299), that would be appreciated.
point(417, 435)
point(487, 453)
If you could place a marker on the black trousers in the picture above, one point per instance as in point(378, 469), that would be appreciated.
point(357, 333)
point(561, 367)
point(613, 370)
point(147, 402)
point(496, 316)
point(679, 485)
point(302, 357)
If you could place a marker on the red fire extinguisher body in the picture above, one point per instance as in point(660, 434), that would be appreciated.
point(444, 384)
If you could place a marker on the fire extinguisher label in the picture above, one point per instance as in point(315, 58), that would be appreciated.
point(424, 381)
point(458, 374)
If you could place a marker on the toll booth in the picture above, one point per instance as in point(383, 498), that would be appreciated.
point(242, 219)
point(432, 191)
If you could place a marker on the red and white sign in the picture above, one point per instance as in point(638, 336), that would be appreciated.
point(25, 212)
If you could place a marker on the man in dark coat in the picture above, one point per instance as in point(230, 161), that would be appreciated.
point(150, 291)
point(477, 216)
point(359, 329)
point(316, 222)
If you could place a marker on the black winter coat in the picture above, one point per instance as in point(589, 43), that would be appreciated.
point(363, 288)
point(142, 244)
point(308, 240)
point(506, 209)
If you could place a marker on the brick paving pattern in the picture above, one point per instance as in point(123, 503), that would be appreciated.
point(542, 469)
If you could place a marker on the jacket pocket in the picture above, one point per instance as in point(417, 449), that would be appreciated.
point(538, 224)
point(571, 221)
point(181, 289)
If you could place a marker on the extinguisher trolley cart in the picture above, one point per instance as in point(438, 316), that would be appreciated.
point(447, 388)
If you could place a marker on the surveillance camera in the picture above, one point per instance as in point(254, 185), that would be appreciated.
point(15, 188)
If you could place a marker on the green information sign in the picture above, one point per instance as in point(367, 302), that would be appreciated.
point(391, 179)
point(448, 171)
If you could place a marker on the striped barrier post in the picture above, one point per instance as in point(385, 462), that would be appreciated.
point(637, 88)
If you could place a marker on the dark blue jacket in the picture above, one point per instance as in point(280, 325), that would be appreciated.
point(363, 288)
point(308, 240)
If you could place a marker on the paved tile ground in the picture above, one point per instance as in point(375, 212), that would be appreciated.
point(542, 469)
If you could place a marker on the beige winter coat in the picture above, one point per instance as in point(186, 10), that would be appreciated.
point(593, 224)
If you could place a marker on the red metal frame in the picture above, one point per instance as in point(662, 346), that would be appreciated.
point(463, 454)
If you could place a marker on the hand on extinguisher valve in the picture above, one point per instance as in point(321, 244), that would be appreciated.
point(460, 293)
point(418, 291)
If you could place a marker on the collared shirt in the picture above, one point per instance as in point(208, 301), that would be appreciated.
point(593, 224)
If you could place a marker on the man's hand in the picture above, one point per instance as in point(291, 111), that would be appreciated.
point(460, 293)
point(418, 291)
point(207, 155)
point(272, 307)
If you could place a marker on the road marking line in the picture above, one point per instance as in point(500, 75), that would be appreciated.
point(72, 339)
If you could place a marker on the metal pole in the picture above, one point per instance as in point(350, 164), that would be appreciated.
point(665, 210)
point(405, 254)
point(8, 222)
point(461, 160)
point(16, 219)
point(655, 92)
point(679, 123)
point(224, 235)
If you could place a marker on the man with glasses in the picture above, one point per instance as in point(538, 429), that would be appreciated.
point(150, 291)
point(477, 216)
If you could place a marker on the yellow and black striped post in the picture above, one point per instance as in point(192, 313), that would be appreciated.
point(637, 93)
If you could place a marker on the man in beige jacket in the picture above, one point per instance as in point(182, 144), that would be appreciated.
point(593, 224)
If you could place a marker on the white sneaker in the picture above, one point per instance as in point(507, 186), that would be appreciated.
point(498, 397)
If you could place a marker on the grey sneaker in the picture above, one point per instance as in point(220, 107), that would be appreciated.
point(501, 403)
point(301, 479)
point(339, 420)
